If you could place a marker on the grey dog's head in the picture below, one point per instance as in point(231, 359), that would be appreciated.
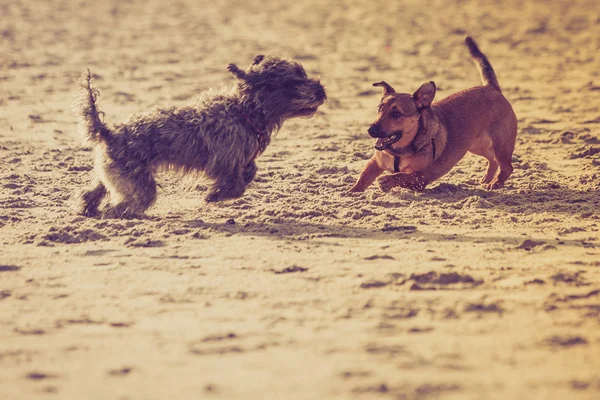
point(280, 88)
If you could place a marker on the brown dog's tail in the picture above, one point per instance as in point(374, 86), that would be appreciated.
point(90, 124)
point(488, 76)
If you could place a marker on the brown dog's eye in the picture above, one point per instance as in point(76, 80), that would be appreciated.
point(379, 107)
point(396, 114)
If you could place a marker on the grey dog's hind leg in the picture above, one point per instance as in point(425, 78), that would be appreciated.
point(89, 200)
point(138, 193)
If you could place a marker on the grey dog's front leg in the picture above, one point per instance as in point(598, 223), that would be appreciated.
point(249, 172)
point(230, 187)
point(226, 191)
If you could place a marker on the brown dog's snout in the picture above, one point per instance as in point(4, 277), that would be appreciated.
point(374, 131)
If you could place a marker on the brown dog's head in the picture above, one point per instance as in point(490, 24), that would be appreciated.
point(398, 115)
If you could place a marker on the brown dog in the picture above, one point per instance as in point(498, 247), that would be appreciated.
point(421, 142)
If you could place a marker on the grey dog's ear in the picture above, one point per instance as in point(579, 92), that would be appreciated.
point(236, 71)
point(258, 59)
point(387, 89)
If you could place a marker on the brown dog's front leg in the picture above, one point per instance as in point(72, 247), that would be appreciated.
point(367, 177)
point(416, 181)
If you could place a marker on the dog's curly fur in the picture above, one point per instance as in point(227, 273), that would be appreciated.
point(220, 136)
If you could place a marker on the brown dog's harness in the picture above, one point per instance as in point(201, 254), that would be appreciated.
point(261, 135)
point(396, 164)
point(397, 158)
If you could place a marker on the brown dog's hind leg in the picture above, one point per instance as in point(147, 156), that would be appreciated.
point(416, 182)
point(503, 134)
point(503, 149)
point(505, 170)
point(367, 176)
point(491, 171)
point(483, 147)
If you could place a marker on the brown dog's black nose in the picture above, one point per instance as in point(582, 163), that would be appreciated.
point(373, 131)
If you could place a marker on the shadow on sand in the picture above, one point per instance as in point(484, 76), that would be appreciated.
point(550, 200)
point(294, 230)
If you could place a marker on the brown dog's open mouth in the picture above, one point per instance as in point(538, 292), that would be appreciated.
point(385, 142)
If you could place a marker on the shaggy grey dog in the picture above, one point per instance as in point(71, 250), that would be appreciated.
point(220, 136)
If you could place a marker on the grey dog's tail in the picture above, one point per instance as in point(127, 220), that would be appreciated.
point(488, 76)
point(90, 124)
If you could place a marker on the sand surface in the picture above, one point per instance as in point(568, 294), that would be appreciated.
point(300, 290)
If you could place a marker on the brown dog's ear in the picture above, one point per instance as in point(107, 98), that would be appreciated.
point(258, 59)
point(424, 95)
point(236, 71)
point(387, 89)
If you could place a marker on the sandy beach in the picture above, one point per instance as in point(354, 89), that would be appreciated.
point(300, 289)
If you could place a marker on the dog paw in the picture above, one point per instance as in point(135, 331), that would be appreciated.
point(356, 189)
point(494, 185)
point(119, 211)
point(386, 183)
point(249, 173)
point(220, 195)
point(226, 192)
point(89, 213)
point(82, 208)
point(214, 197)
